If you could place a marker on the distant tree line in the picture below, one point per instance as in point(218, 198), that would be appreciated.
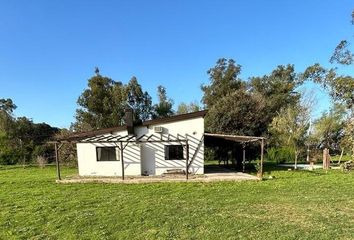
point(21, 140)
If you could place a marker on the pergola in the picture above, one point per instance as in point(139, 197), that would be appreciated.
point(121, 141)
point(243, 140)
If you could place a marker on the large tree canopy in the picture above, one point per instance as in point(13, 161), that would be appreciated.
point(102, 104)
point(139, 101)
point(236, 113)
point(98, 106)
point(277, 91)
point(224, 79)
point(241, 107)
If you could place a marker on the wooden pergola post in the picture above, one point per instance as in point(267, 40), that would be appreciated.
point(243, 157)
point(326, 159)
point(57, 160)
point(187, 157)
point(121, 159)
point(262, 156)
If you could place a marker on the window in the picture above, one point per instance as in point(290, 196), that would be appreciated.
point(106, 154)
point(173, 152)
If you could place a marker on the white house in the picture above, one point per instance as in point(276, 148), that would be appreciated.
point(153, 147)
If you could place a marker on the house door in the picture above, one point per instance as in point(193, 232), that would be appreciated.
point(148, 164)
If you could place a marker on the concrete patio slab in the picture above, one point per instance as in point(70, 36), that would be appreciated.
point(210, 177)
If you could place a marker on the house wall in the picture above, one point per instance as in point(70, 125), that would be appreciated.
point(147, 158)
point(153, 154)
point(89, 166)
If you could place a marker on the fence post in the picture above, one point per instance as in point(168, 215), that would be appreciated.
point(57, 160)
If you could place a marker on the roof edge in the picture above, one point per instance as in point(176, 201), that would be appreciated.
point(95, 132)
point(174, 118)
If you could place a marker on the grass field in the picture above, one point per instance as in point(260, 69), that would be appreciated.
point(293, 205)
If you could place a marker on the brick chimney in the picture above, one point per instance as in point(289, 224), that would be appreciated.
point(128, 119)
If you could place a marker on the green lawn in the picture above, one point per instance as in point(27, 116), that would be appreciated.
point(294, 205)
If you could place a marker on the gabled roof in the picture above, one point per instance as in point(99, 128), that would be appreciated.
point(175, 118)
point(111, 130)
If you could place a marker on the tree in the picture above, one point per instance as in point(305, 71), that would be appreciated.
point(147, 108)
point(344, 88)
point(348, 139)
point(328, 129)
point(182, 108)
point(264, 97)
point(342, 54)
point(224, 79)
point(236, 113)
point(8, 155)
point(7, 105)
point(341, 89)
point(222, 98)
point(67, 151)
point(101, 104)
point(139, 101)
point(290, 126)
point(278, 91)
point(164, 107)
point(7, 108)
point(29, 136)
point(187, 108)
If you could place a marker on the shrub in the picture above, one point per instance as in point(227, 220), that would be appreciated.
point(285, 154)
point(280, 154)
point(41, 161)
point(271, 155)
point(348, 166)
point(9, 156)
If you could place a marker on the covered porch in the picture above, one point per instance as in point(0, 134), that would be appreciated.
point(226, 141)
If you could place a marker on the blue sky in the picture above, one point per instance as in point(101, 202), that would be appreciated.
point(49, 49)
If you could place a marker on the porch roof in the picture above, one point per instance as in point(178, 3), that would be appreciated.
point(235, 138)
